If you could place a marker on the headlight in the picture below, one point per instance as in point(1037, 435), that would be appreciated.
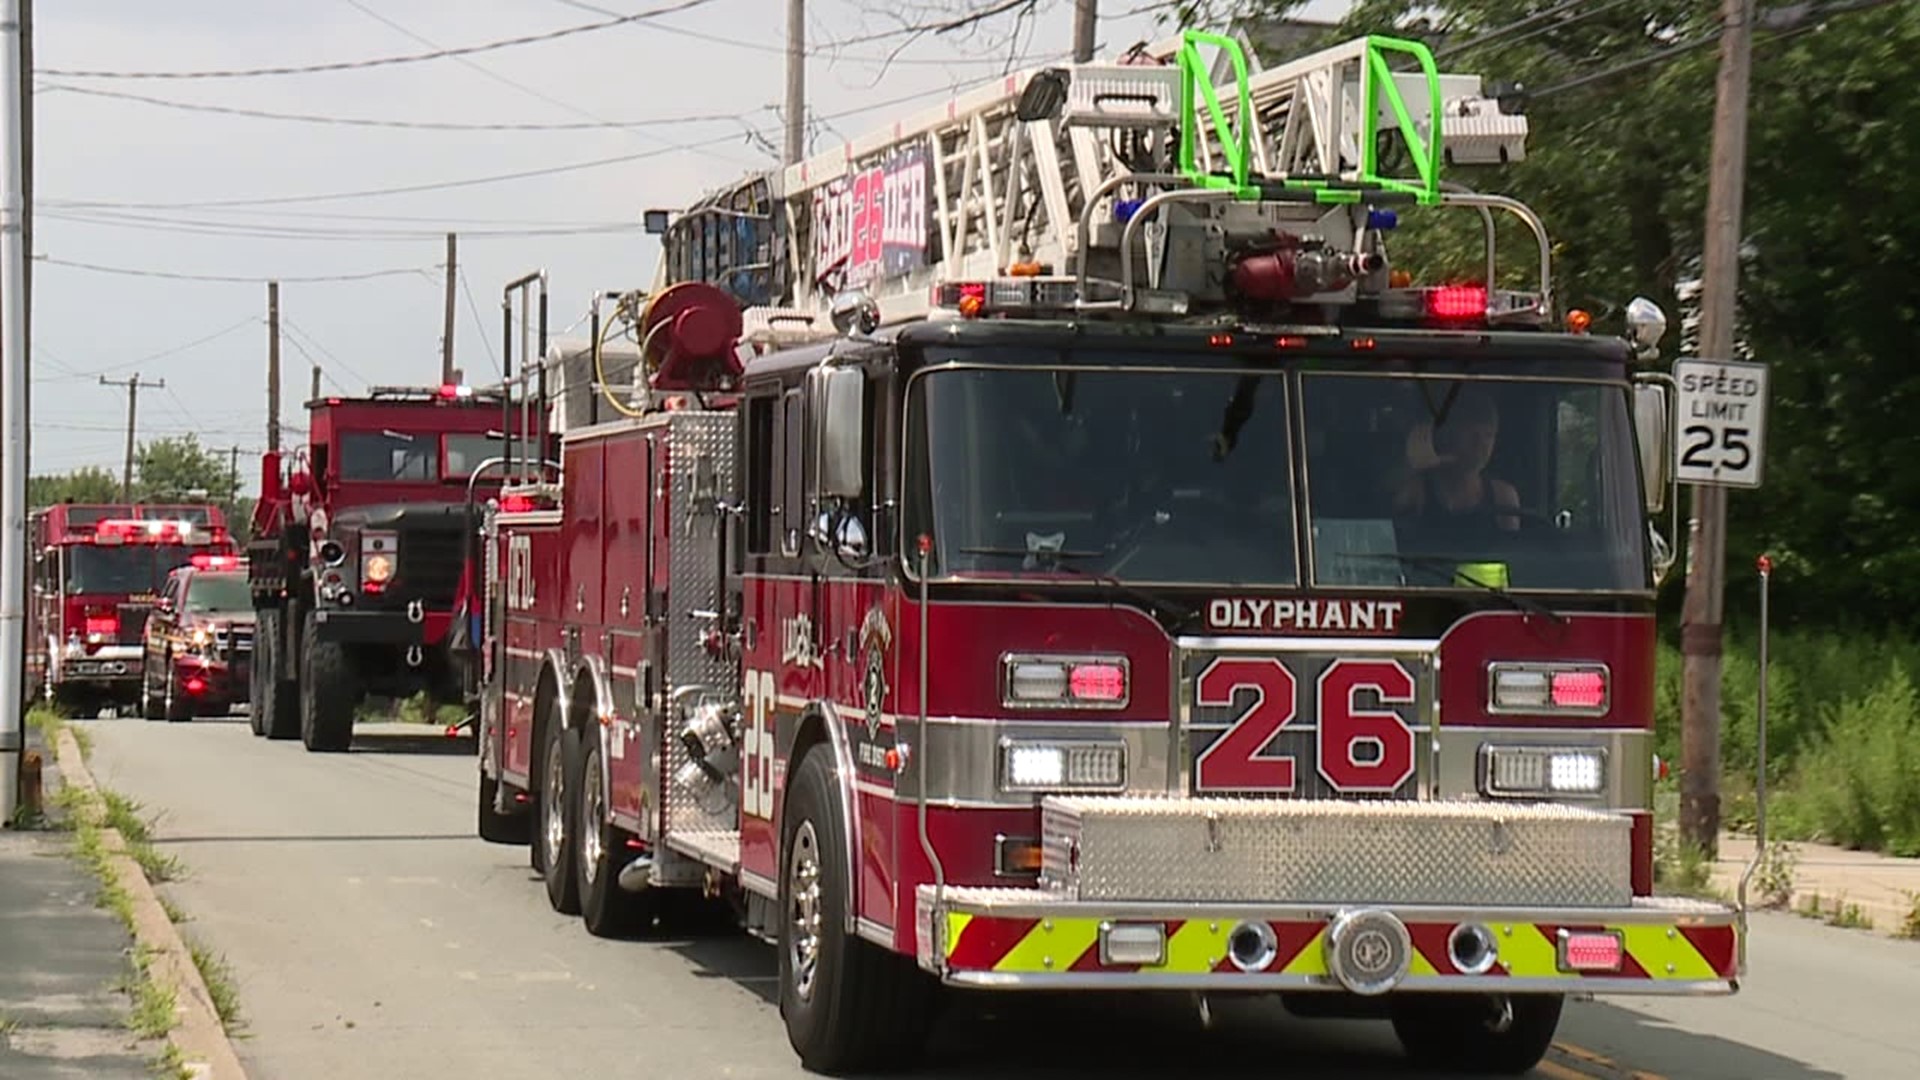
point(1540, 771)
point(1547, 689)
point(1062, 765)
point(1073, 682)
point(378, 569)
point(201, 639)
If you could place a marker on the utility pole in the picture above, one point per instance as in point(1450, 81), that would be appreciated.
point(133, 386)
point(796, 80)
point(313, 394)
point(273, 366)
point(1700, 629)
point(13, 401)
point(233, 489)
point(1085, 15)
point(446, 337)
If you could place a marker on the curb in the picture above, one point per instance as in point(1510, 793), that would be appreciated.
point(198, 1035)
point(1887, 917)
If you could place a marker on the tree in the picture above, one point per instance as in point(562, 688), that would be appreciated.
point(1621, 118)
point(87, 484)
point(179, 467)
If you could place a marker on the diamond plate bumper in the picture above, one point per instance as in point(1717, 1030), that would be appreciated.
point(1313, 851)
point(1033, 939)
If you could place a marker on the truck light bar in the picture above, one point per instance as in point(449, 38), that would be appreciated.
point(151, 531)
point(218, 562)
point(1027, 294)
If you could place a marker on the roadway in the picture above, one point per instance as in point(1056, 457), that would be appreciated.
point(370, 933)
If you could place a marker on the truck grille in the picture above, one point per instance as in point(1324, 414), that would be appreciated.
point(430, 564)
point(235, 641)
point(1261, 722)
point(133, 623)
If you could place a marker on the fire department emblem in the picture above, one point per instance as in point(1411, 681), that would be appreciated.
point(875, 637)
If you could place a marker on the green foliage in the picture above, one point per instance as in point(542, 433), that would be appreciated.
point(87, 484)
point(1617, 168)
point(180, 468)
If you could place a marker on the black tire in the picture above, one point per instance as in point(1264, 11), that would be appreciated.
point(498, 828)
point(276, 705)
point(559, 819)
point(608, 910)
point(1475, 1033)
point(329, 694)
point(256, 670)
point(151, 706)
point(173, 704)
point(862, 1008)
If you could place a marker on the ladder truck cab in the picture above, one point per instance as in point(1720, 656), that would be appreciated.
point(96, 571)
point(360, 549)
point(1053, 544)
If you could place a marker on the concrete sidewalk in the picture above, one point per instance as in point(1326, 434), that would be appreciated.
point(64, 963)
point(1884, 889)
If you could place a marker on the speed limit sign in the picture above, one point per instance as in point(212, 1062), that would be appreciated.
point(1722, 421)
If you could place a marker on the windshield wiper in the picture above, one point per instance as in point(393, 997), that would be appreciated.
point(1449, 569)
point(1159, 605)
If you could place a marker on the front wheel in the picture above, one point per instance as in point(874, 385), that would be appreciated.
point(849, 1005)
point(1484, 1034)
point(175, 706)
point(329, 693)
point(275, 709)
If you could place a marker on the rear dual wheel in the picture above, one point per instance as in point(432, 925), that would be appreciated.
point(554, 840)
point(606, 908)
point(1485, 1034)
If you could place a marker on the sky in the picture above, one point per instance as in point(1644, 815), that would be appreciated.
point(116, 179)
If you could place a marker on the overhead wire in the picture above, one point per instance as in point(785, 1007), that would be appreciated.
point(486, 333)
point(828, 52)
point(382, 61)
point(530, 91)
point(265, 231)
point(443, 185)
point(375, 122)
point(256, 279)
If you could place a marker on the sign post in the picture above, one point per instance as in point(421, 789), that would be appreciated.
point(1722, 419)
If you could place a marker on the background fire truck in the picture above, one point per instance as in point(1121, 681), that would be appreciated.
point(1142, 584)
point(360, 542)
point(95, 573)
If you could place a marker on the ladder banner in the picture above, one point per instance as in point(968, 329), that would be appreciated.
point(873, 222)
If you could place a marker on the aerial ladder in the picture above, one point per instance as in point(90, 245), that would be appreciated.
point(1154, 183)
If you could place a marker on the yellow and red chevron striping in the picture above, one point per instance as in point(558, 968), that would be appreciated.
point(1527, 950)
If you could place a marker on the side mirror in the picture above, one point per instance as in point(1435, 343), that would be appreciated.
point(1653, 428)
point(836, 410)
point(854, 312)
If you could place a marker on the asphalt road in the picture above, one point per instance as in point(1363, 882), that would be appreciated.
point(371, 934)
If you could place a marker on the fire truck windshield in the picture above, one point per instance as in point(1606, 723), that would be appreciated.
point(219, 594)
point(122, 569)
point(1417, 482)
point(467, 452)
point(389, 455)
point(1111, 472)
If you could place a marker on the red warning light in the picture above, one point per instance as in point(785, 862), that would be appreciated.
point(1457, 302)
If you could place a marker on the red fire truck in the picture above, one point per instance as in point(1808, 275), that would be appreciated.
point(96, 571)
point(1143, 584)
point(360, 542)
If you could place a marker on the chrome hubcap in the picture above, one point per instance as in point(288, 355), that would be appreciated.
point(556, 802)
point(803, 905)
point(590, 814)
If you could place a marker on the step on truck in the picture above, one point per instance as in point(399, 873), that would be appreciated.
point(95, 574)
point(361, 542)
point(1054, 544)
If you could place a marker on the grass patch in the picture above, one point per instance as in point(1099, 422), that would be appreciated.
point(154, 1011)
point(170, 1064)
point(219, 979)
point(49, 723)
point(174, 914)
point(1909, 927)
point(124, 814)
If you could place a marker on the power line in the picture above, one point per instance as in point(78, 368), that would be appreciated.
point(384, 61)
point(175, 276)
point(371, 122)
point(324, 351)
point(151, 357)
point(530, 91)
point(444, 185)
point(486, 334)
point(824, 52)
point(248, 230)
